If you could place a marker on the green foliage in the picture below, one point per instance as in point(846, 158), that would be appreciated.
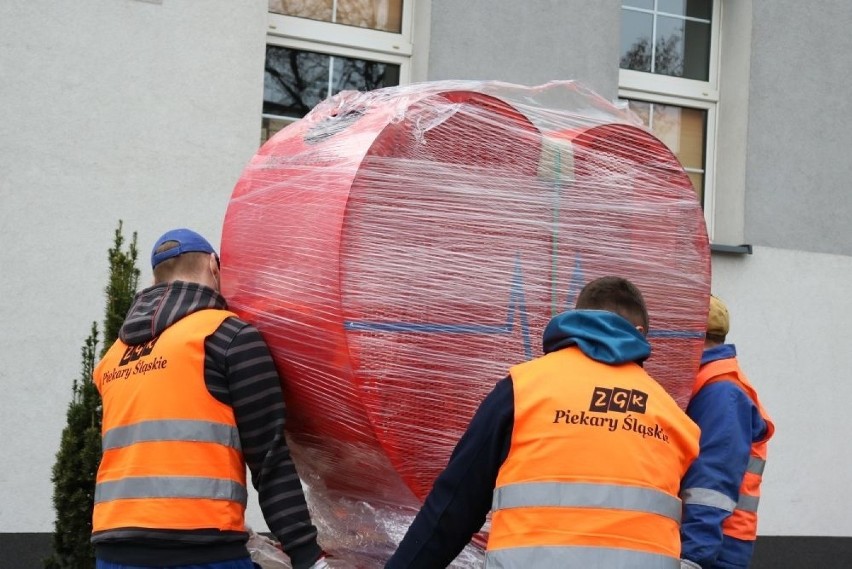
point(123, 282)
point(75, 468)
point(79, 454)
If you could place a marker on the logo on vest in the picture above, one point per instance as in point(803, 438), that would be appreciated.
point(135, 354)
point(631, 402)
point(618, 400)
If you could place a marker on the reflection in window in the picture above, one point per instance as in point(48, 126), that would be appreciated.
point(683, 130)
point(296, 81)
point(384, 15)
point(672, 38)
point(269, 126)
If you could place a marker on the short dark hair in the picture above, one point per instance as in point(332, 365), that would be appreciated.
point(715, 338)
point(615, 294)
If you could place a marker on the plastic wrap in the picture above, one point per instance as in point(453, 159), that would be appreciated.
point(401, 249)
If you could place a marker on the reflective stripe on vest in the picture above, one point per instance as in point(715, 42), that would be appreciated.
point(756, 465)
point(561, 557)
point(171, 487)
point(172, 430)
point(748, 503)
point(582, 495)
point(716, 499)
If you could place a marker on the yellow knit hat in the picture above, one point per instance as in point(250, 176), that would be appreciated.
point(718, 321)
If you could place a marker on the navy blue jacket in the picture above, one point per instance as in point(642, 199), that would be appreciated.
point(729, 422)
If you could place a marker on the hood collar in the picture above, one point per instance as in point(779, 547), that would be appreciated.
point(156, 308)
point(601, 335)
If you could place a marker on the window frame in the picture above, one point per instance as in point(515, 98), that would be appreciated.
point(344, 35)
point(343, 40)
point(677, 91)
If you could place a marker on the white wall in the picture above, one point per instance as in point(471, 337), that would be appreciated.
point(798, 131)
point(109, 109)
point(528, 42)
point(791, 319)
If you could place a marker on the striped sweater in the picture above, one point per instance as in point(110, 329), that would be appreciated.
point(239, 371)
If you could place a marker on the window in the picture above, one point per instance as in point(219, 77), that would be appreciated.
point(317, 48)
point(385, 15)
point(669, 77)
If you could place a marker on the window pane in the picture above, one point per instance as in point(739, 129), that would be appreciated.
point(696, 61)
point(362, 75)
point(668, 58)
point(385, 15)
point(682, 130)
point(294, 82)
point(642, 109)
point(312, 9)
point(702, 9)
point(697, 180)
point(636, 31)
point(681, 46)
point(270, 126)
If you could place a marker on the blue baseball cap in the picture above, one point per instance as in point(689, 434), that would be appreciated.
point(188, 241)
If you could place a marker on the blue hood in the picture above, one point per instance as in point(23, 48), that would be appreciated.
point(603, 336)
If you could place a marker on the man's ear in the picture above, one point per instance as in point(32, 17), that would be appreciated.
point(214, 270)
point(642, 330)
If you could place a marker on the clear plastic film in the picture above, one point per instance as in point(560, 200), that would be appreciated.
point(401, 249)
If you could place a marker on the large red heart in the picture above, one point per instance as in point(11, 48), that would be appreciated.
point(400, 249)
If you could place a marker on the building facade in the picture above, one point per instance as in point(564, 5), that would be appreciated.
point(148, 110)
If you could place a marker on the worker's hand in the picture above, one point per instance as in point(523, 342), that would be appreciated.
point(687, 564)
point(323, 564)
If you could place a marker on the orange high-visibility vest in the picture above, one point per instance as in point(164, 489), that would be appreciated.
point(742, 523)
point(171, 451)
point(593, 470)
